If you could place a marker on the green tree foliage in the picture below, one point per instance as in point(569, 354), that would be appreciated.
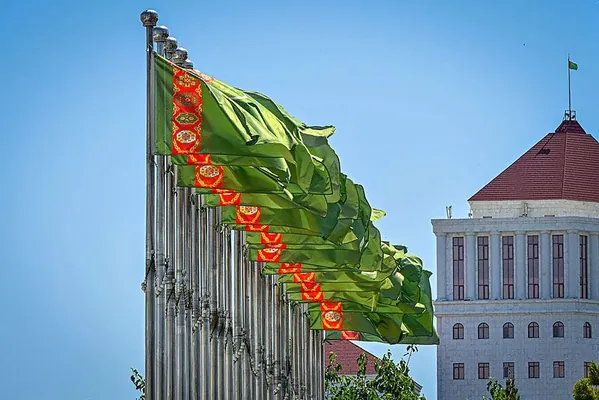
point(392, 381)
point(588, 388)
point(498, 392)
point(139, 382)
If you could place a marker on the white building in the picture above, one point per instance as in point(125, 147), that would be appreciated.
point(518, 282)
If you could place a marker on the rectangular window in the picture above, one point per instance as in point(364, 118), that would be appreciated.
point(508, 370)
point(458, 268)
point(559, 369)
point(533, 267)
point(483, 370)
point(584, 271)
point(508, 266)
point(483, 267)
point(587, 365)
point(458, 370)
point(558, 266)
point(533, 370)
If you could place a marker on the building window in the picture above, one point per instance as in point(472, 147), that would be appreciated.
point(458, 370)
point(483, 267)
point(558, 329)
point(458, 268)
point(587, 366)
point(508, 370)
point(508, 266)
point(508, 330)
point(483, 370)
point(558, 266)
point(533, 370)
point(483, 331)
point(533, 330)
point(586, 331)
point(559, 369)
point(584, 271)
point(458, 331)
point(533, 267)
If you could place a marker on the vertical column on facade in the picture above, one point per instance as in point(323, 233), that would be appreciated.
point(572, 266)
point(449, 268)
point(593, 269)
point(545, 266)
point(520, 265)
point(495, 265)
point(441, 266)
point(470, 266)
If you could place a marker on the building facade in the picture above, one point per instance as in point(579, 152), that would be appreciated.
point(518, 281)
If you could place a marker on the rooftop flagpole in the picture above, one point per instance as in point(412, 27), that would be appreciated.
point(569, 91)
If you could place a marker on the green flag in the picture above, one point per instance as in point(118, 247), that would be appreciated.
point(572, 65)
point(196, 114)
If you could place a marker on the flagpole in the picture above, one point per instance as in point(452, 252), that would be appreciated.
point(149, 18)
point(160, 35)
point(569, 91)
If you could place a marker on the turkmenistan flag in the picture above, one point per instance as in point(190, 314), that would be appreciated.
point(293, 241)
point(237, 178)
point(332, 226)
point(316, 204)
point(293, 268)
point(304, 282)
point(332, 316)
point(335, 276)
point(369, 337)
point(420, 327)
point(196, 114)
point(572, 65)
point(315, 138)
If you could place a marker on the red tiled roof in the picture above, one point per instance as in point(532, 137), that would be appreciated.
point(562, 165)
point(347, 356)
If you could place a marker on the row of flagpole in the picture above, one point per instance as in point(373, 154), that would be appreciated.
point(216, 327)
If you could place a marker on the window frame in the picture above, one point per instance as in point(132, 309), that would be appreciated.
point(458, 268)
point(534, 370)
point(507, 267)
point(535, 330)
point(459, 368)
point(587, 330)
point(533, 266)
point(483, 370)
point(559, 369)
point(558, 266)
point(584, 266)
point(510, 329)
point(558, 329)
point(484, 328)
point(509, 367)
point(459, 328)
point(482, 257)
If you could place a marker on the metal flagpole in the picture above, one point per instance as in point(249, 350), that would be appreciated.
point(258, 328)
point(268, 334)
point(251, 321)
point(277, 338)
point(220, 306)
point(170, 288)
point(228, 334)
point(160, 35)
point(195, 300)
point(569, 92)
point(149, 18)
point(213, 305)
point(188, 265)
point(207, 377)
point(179, 58)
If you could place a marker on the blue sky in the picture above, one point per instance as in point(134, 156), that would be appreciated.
point(431, 99)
